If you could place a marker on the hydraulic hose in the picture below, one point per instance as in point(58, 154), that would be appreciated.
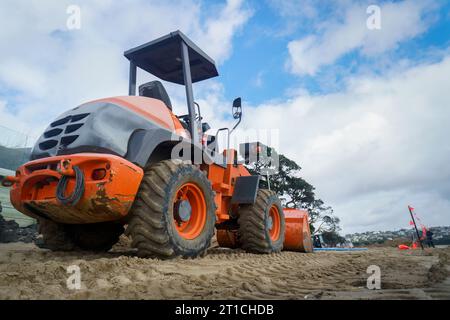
point(77, 193)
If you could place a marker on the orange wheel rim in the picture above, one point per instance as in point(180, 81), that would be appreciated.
point(189, 207)
point(275, 228)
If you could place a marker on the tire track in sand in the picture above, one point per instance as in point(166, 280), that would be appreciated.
point(27, 272)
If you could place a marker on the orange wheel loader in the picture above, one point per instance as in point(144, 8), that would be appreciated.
point(130, 161)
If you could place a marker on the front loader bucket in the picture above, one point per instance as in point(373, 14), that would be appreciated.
point(297, 234)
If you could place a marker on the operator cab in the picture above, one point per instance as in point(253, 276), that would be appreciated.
point(176, 59)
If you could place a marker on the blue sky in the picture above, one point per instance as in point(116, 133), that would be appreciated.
point(260, 52)
point(364, 112)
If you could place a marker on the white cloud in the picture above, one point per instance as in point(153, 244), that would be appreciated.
point(370, 150)
point(28, 77)
point(373, 148)
point(218, 30)
point(47, 69)
point(400, 21)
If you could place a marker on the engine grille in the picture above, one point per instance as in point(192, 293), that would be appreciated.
point(63, 132)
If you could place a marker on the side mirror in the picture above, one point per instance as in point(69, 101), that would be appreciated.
point(205, 127)
point(237, 112)
point(237, 108)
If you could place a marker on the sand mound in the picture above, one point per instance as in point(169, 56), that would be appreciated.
point(27, 272)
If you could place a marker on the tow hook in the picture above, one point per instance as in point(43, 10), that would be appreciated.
point(65, 168)
point(67, 171)
point(9, 181)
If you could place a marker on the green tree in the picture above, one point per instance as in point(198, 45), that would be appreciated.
point(332, 238)
point(296, 192)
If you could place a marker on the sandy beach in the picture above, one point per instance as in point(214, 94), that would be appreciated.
point(27, 272)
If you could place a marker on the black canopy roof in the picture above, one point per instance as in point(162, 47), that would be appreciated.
point(162, 58)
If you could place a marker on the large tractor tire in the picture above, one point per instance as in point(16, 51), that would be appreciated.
point(95, 237)
point(262, 224)
point(174, 212)
point(98, 237)
point(53, 236)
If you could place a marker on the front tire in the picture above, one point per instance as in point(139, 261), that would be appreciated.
point(262, 224)
point(174, 212)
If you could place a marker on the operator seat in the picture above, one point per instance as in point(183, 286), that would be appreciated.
point(155, 90)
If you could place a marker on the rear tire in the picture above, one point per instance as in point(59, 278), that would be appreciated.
point(98, 237)
point(155, 227)
point(54, 236)
point(262, 224)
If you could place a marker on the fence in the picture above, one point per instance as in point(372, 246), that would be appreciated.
point(14, 151)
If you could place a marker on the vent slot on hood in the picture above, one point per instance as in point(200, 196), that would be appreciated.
point(79, 117)
point(67, 140)
point(60, 121)
point(52, 133)
point(73, 127)
point(48, 144)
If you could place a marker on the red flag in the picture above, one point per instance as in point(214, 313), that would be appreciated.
point(411, 223)
point(410, 208)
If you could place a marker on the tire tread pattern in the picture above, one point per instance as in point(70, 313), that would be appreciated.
point(148, 224)
point(253, 232)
